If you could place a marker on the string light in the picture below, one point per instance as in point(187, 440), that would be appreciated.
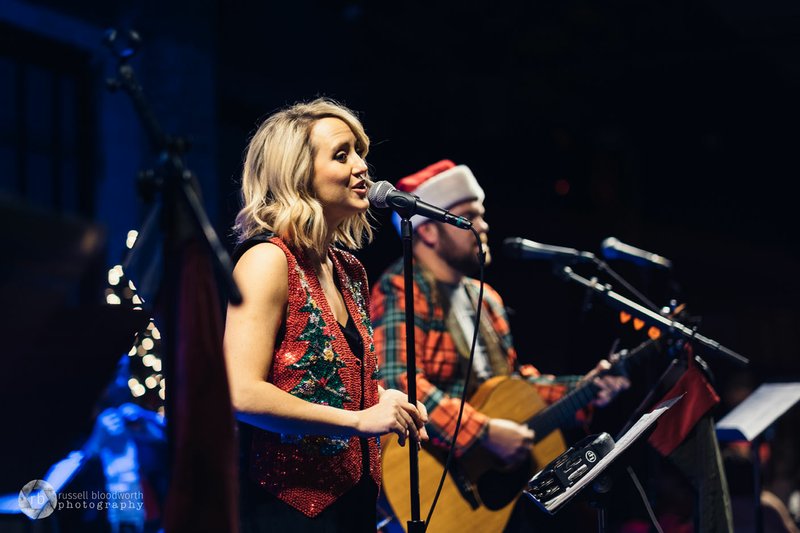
point(131, 240)
point(145, 369)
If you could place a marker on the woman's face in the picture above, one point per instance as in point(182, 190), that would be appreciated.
point(340, 173)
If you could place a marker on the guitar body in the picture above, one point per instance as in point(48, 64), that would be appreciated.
point(497, 488)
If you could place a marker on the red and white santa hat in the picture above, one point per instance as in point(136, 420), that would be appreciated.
point(443, 184)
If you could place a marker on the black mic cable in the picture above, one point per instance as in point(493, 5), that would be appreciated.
point(451, 452)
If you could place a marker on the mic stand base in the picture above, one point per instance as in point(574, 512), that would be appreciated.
point(415, 526)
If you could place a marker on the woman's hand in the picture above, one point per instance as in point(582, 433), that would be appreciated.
point(394, 414)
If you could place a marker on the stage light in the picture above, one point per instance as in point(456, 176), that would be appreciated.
point(113, 299)
point(148, 343)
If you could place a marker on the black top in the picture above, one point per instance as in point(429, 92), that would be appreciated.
point(353, 338)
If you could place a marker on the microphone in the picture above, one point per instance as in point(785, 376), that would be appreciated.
point(524, 249)
point(383, 194)
point(615, 249)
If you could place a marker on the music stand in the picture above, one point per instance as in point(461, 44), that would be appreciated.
point(748, 421)
point(636, 431)
point(60, 345)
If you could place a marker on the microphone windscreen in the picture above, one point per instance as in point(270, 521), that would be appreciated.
point(609, 248)
point(378, 192)
point(512, 247)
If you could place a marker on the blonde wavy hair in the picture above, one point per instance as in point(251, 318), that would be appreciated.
point(277, 193)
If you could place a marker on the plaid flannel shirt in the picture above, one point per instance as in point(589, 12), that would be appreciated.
point(440, 368)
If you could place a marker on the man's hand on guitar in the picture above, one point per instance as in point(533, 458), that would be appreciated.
point(610, 385)
point(509, 441)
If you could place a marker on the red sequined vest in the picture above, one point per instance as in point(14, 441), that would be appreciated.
point(315, 363)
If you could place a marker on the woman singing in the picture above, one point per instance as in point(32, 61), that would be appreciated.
point(299, 352)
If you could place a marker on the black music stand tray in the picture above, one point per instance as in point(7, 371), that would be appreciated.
point(749, 420)
point(636, 431)
point(60, 344)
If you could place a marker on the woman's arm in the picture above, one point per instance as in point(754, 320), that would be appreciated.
point(251, 331)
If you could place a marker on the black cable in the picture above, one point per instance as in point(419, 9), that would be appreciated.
point(451, 452)
point(646, 502)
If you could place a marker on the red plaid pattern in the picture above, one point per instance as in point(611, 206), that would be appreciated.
point(440, 368)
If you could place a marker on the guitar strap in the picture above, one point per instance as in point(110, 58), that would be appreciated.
point(495, 359)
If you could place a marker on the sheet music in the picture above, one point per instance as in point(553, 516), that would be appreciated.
point(621, 445)
point(759, 410)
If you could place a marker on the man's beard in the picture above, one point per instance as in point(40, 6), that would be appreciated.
point(466, 263)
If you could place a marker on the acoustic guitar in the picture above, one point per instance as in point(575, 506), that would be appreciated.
point(479, 491)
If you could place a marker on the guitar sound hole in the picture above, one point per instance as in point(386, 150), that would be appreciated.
point(498, 487)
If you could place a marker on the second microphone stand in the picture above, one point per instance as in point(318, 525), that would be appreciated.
point(651, 318)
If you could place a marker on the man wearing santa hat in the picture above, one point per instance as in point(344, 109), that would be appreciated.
point(445, 300)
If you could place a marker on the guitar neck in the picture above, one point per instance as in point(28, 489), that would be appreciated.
point(562, 412)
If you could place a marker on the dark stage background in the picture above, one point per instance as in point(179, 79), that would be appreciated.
point(669, 125)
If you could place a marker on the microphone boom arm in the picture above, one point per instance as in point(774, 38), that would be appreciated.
point(651, 318)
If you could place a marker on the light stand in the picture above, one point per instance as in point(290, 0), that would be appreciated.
point(184, 297)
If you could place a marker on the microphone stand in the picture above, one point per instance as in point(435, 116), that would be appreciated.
point(415, 524)
point(603, 267)
point(651, 318)
point(179, 209)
